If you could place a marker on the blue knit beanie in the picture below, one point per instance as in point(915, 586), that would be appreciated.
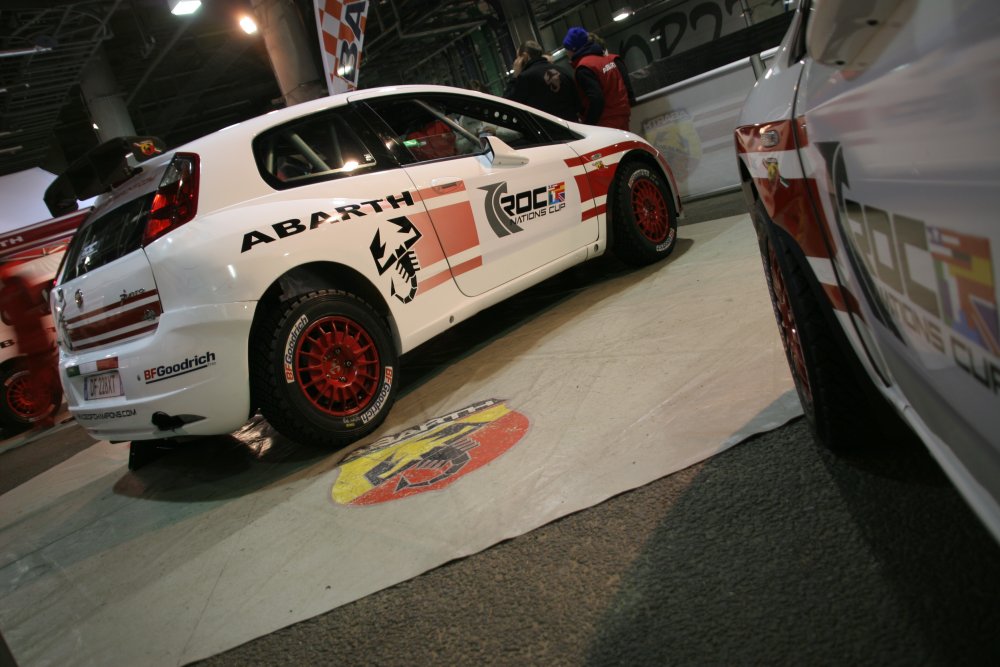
point(576, 38)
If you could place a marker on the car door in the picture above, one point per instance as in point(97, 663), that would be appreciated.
point(499, 190)
point(902, 118)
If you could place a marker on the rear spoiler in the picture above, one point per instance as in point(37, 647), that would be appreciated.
point(98, 170)
point(17, 244)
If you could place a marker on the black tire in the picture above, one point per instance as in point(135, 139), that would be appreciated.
point(840, 403)
point(644, 218)
point(22, 405)
point(324, 369)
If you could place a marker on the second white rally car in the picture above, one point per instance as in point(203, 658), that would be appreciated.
point(284, 264)
point(868, 156)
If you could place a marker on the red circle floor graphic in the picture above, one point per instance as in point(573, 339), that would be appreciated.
point(430, 456)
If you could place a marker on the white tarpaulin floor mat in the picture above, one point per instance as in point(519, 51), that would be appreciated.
point(635, 376)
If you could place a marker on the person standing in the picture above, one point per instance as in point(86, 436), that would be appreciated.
point(602, 79)
point(541, 84)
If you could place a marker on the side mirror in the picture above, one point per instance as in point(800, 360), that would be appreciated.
point(502, 155)
point(848, 34)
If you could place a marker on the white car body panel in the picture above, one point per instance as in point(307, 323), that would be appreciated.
point(429, 221)
point(903, 153)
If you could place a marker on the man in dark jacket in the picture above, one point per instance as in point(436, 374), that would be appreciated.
point(605, 90)
point(539, 83)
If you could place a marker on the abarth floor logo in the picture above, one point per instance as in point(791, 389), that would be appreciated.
point(430, 456)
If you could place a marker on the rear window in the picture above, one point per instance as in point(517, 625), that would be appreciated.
point(105, 239)
point(316, 148)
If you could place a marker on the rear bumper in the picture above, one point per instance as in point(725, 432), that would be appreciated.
point(194, 366)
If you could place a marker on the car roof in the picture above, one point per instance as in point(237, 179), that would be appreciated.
point(255, 126)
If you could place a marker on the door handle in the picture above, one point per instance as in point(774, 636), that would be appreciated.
point(445, 183)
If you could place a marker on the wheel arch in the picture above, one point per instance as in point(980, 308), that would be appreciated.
point(325, 275)
point(649, 160)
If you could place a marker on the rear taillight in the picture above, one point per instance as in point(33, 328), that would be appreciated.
point(176, 199)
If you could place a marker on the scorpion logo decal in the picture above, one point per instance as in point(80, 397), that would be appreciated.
point(402, 257)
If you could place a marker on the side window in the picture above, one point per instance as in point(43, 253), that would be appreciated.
point(311, 149)
point(435, 127)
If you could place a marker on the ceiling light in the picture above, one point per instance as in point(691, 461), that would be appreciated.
point(181, 7)
point(622, 14)
point(248, 24)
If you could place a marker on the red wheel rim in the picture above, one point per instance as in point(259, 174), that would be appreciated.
point(337, 366)
point(650, 209)
point(787, 326)
point(25, 399)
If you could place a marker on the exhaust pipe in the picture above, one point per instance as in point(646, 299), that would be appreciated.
point(165, 422)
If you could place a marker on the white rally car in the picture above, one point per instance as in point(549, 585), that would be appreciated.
point(285, 263)
point(870, 157)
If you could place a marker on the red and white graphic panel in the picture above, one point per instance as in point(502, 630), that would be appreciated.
point(341, 26)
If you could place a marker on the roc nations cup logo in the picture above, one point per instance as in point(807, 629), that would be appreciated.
point(507, 212)
point(430, 456)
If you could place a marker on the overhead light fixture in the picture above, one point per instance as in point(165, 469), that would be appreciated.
point(182, 7)
point(622, 14)
point(248, 24)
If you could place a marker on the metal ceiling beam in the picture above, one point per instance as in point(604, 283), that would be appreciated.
point(181, 29)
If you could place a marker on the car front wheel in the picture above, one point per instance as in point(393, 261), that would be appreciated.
point(838, 399)
point(644, 220)
point(325, 369)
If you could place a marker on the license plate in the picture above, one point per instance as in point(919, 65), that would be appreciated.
point(102, 385)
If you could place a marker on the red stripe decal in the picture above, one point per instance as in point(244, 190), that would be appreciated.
point(114, 339)
point(115, 306)
point(583, 183)
point(442, 277)
point(428, 284)
point(600, 179)
point(466, 266)
point(455, 228)
point(590, 213)
point(113, 323)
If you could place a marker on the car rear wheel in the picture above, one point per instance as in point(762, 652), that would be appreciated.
point(325, 368)
point(644, 219)
point(841, 405)
point(25, 400)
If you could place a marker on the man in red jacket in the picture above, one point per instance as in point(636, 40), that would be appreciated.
point(603, 82)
